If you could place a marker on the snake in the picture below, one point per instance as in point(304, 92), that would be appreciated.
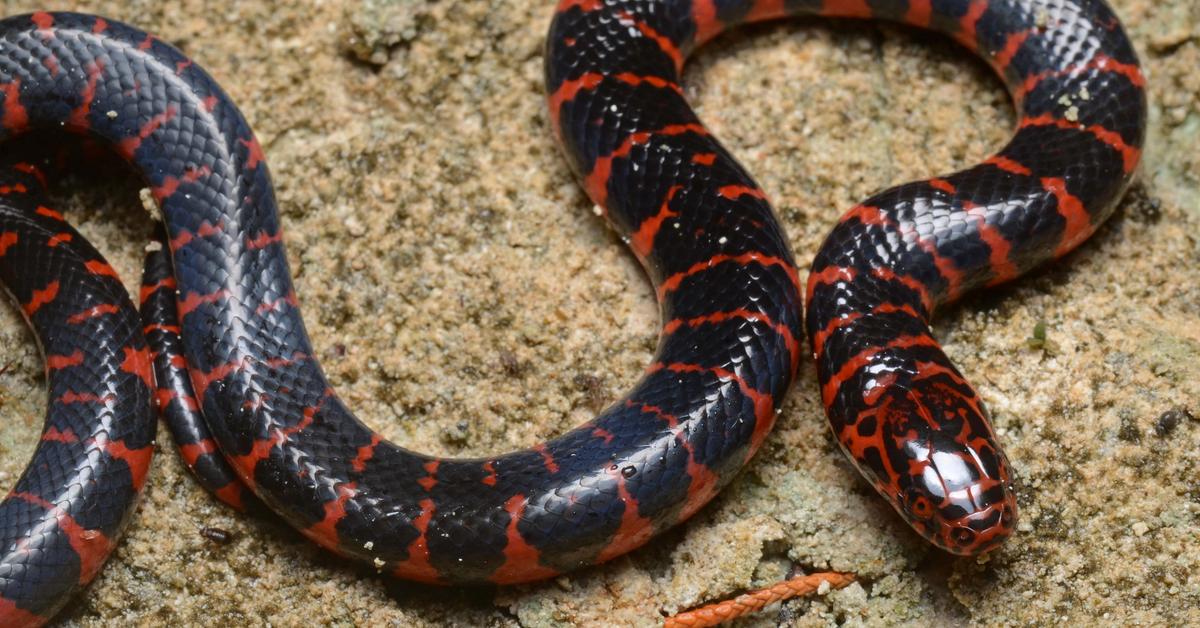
point(64, 515)
point(256, 419)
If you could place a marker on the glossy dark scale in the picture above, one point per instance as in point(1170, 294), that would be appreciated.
point(729, 291)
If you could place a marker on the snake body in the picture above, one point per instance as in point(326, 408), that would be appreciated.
point(252, 407)
point(63, 517)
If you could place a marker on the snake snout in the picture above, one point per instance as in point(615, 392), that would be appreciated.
point(960, 498)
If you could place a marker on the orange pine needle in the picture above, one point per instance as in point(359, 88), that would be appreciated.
point(720, 612)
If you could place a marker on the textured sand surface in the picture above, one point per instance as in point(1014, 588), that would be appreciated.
point(465, 300)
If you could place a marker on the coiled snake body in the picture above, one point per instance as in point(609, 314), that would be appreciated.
point(236, 370)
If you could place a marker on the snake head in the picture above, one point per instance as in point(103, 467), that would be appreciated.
point(953, 484)
point(924, 439)
point(957, 494)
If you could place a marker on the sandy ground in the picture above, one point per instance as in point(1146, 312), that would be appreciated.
point(466, 301)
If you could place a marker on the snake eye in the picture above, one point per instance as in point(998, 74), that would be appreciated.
point(920, 507)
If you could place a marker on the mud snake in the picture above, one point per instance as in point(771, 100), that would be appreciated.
point(250, 407)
